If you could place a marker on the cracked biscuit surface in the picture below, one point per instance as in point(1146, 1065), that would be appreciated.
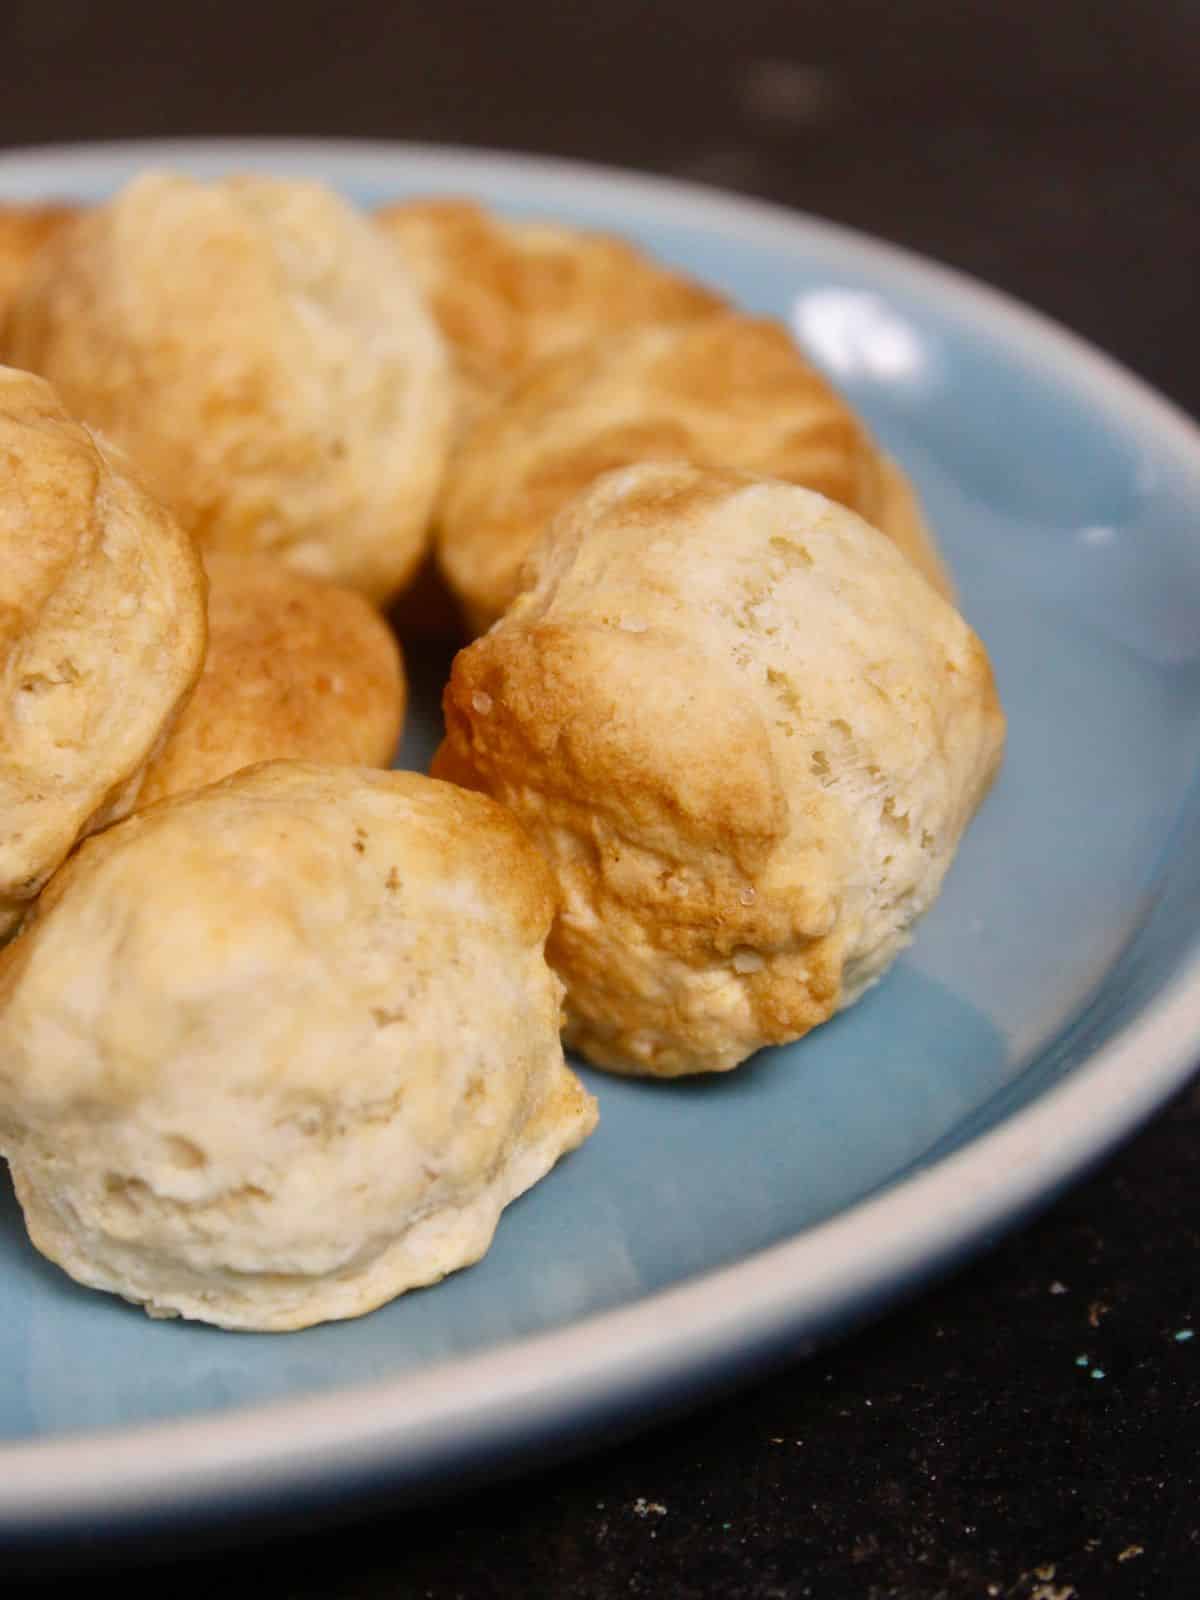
point(747, 734)
point(102, 635)
point(728, 391)
point(296, 669)
point(277, 1050)
point(263, 354)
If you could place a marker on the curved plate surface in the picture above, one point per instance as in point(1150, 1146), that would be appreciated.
point(1050, 1003)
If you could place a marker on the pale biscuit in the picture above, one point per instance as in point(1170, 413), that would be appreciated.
point(747, 734)
point(507, 294)
point(266, 359)
point(296, 669)
point(24, 229)
point(101, 635)
point(728, 391)
point(279, 1049)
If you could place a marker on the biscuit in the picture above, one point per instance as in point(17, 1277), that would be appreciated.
point(102, 635)
point(277, 1050)
point(265, 358)
point(23, 231)
point(296, 668)
point(507, 294)
point(747, 734)
point(728, 391)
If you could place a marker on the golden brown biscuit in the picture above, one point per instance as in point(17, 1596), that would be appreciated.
point(728, 391)
point(262, 353)
point(279, 1049)
point(101, 635)
point(23, 231)
point(296, 669)
point(507, 294)
point(747, 734)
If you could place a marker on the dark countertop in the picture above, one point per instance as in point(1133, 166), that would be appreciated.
point(961, 1447)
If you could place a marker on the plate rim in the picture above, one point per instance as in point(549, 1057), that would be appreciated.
point(465, 1408)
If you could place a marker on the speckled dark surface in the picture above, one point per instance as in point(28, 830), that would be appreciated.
point(1029, 1429)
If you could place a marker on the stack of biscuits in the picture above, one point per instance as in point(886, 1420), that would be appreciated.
point(281, 1030)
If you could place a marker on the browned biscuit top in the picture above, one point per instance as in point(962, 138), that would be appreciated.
point(296, 668)
point(507, 294)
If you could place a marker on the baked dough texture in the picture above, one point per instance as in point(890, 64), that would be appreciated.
point(23, 231)
point(728, 391)
point(747, 734)
point(262, 353)
point(102, 635)
point(277, 1050)
point(297, 668)
point(507, 294)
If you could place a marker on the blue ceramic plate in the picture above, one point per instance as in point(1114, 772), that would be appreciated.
point(1050, 1003)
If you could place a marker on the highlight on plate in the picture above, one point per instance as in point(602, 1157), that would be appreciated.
point(281, 1031)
